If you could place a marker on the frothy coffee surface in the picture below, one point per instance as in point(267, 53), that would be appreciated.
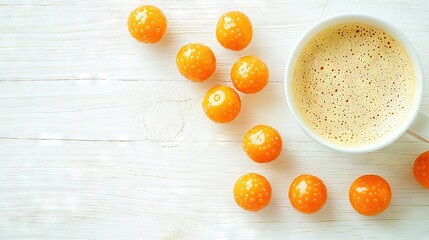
point(353, 84)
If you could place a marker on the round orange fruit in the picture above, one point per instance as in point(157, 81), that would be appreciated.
point(234, 30)
point(421, 169)
point(370, 195)
point(196, 62)
point(252, 192)
point(249, 74)
point(147, 24)
point(307, 193)
point(262, 143)
point(222, 104)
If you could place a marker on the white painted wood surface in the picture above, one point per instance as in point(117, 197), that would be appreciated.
point(101, 138)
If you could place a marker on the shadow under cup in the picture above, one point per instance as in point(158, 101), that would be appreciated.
point(407, 47)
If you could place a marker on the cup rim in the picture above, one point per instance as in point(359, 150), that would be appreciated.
point(385, 26)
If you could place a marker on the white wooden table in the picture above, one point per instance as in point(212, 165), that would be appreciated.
point(101, 138)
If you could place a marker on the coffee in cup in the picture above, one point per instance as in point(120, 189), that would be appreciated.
point(353, 84)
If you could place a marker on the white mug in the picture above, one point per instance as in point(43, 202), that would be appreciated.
point(417, 121)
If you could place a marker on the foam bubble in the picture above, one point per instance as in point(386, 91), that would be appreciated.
point(353, 84)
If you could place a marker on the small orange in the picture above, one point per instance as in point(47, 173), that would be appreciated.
point(252, 192)
point(234, 30)
point(262, 143)
point(196, 62)
point(421, 169)
point(307, 193)
point(370, 195)
point(222, 104)
point(147, 24)
point(249, 74)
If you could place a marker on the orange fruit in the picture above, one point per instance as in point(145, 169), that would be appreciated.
point(234, 30)
point(196, 62)
point(222, 104)
point(307, 193)
point(249, 74)
point(147, 24)
point(421, 169)
point(370, 195)
point(252, 192)
point(262, 143)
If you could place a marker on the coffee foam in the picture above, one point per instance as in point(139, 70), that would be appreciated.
point(353, 84)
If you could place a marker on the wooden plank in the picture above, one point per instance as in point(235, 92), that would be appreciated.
point(140, 190)
point(165, 111)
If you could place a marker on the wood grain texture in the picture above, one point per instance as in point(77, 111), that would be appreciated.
point(101, 138)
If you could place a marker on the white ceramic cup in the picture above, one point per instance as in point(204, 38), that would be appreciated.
point(416, 121)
